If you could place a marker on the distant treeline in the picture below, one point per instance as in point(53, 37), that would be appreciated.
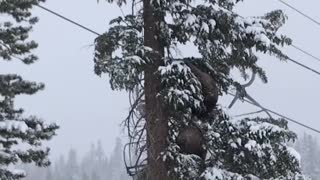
point(96, 165)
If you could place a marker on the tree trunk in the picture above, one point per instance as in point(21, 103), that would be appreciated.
point(156, 113)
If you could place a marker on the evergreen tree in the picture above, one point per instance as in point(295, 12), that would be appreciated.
point(116, 162)
point(15, 129)
point(94, 166)
point(49, 174)
point(85, 176)
point(309, 150)
point(106, 169)
point(72, 166)
point(59, 169)
point(94, 175)
point(180, 93)
point(99, 153)
point(95, 161)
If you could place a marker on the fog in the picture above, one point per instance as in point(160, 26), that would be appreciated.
point(88, 110)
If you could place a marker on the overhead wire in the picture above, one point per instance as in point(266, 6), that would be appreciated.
point(281, 115)
point(300, 12)
point(69, 20)
point(305, 52)
point(247, 114)
point(310, 19)
point(98, 34)
point(304, 66)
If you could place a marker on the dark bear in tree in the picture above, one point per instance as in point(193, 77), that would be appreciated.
point(190, 139)
point(209, 87)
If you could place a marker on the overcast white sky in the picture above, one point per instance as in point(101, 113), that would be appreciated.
point(86, 108)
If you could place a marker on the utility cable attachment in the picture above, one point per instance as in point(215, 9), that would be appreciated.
point(250, 98)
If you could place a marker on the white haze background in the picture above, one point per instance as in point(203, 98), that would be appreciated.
point(86, 108)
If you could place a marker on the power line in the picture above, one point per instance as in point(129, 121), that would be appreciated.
point(251, 113)
point(309, 18)
point(271, 111)
point(305, 52)
point(304, 66)
point(98, 34)
point(69, 20)
point(282, 116)
point(300, 12)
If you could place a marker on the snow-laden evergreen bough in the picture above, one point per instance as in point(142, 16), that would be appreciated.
point(253, 148)
point(20, 137)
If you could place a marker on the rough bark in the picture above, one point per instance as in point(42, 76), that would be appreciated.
point(156, 113)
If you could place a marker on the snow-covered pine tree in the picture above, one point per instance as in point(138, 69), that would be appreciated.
point(178, 93)
point(20, 137)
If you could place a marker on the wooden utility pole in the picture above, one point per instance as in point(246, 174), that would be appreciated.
point(156, 113)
